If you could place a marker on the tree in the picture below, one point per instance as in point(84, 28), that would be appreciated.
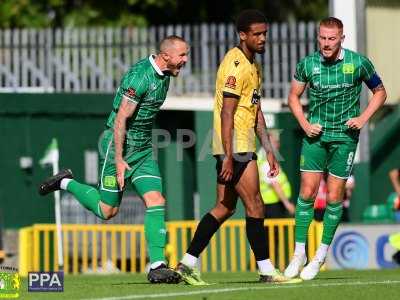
point(57, 13)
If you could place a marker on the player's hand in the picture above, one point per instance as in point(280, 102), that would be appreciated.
point(121, 166)
point(313, 130)
point(355, 123)
point(273, 164)
point(227, 169)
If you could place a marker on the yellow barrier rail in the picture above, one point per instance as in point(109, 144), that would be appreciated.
point(87, 248)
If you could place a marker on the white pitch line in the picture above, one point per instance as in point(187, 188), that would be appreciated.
point(230, 290)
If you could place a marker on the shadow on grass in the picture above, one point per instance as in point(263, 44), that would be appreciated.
point(148, 284)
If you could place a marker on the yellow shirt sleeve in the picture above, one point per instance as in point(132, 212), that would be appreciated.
point(233, 79)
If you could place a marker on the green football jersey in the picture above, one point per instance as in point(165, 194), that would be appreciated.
point(146, 85)
point(334, 91)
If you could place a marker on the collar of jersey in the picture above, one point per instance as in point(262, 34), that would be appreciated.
point(153, 63)
point(241, 51)
point(340, 57)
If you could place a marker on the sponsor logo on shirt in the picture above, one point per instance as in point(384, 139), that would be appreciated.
point(333, 86)
point(348, 68)
point(256, 97)
point(231, 82)
point(316, 71)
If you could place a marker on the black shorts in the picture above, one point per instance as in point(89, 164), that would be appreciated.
point(275, 210)
point(240, 161)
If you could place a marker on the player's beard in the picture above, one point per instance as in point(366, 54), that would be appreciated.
point(334, 53)
point(258, 49)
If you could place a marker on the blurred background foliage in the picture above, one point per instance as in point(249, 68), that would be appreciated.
point(68, 13)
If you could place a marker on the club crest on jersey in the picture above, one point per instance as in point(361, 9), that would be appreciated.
point(348, 68)
point(256, 97)
point(236, 62)
point(231, 82)
point(130, 93)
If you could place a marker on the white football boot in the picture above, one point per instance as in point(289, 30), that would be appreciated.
point(311, 270)
point(293, 269)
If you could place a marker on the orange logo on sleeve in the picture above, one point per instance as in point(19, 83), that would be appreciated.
point(231, 82)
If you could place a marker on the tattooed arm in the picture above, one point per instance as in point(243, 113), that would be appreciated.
point(263, 137)
point(125, 111)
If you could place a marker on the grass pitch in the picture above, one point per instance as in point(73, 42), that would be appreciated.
point(369, 284)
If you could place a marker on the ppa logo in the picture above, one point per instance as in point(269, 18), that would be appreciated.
point(46, 282)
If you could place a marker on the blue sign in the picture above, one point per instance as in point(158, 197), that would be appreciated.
point(46, 282)
point(380, 253)
point(350, 250)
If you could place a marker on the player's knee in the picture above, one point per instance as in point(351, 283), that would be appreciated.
point(255, 209)
point(153, 199)
point(226, 211)
point(229, 211)
point(333, 197)
point(107, 215)
point(221, 212)
point(109, 212)
point(308, 192)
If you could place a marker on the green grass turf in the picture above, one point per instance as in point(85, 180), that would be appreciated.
point(338, 285)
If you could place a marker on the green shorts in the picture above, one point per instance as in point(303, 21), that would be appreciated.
point(144, 174)
point(336, 157)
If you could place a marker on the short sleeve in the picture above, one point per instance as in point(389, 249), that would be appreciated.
point(300, 74)
point(134, 86)
point(233, 80)
point(368, 74)
point(367, 69)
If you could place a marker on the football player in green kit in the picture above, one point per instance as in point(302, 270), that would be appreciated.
point(126, 152)
point(334, 76)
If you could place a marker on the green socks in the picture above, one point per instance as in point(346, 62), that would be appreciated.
point(155, 232)
point(304, 215)
point(86, 195)
point(332, 218)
